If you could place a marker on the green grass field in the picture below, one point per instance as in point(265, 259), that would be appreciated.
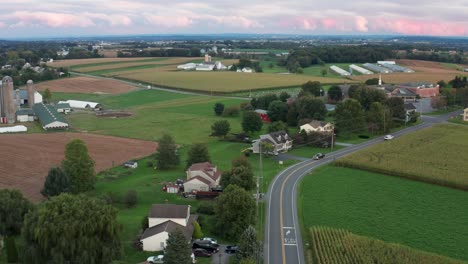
point(339, 246)
point(419, 215)
point(436, 155)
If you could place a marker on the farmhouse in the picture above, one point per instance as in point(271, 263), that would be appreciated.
point(280, 140)
point(409, 109)
point(81, 104)
point(317, 126)
point(49, 117)
point(465, 114)
point(164, 219)
point(202, 177)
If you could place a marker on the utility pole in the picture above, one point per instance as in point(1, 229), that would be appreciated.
point(260, 165)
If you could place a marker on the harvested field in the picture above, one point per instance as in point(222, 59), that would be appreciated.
point(28, 157)
point(427, 64)
point(85, 85)
point(70, 63)
point(432, 76)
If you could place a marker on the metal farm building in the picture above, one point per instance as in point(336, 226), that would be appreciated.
point(361, 70)
point(376, 68)
point(397, 68)
point(339, 70)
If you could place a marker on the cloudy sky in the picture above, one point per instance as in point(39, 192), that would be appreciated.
point(36, 18)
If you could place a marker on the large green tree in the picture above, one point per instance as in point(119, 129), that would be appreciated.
point(197, 153)
point(13, 208)
point(220, 128)
point(47, 95)
point(335, 94)
point(277, 111)
point(396, 106)
point(278, 126)
point(72, 229)
point(313, 88)
point(309, 107)
point(235, 211)
point(367, 95)
point(378, 118)
point(349, 117)
point(218, 109)
point(166, 153)
point(249, 247)
point(240, 174)
point(79, 166)
point(177, 249)
point(57, 182)
point(251, 122)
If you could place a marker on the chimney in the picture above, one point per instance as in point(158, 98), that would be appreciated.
point(31, 92)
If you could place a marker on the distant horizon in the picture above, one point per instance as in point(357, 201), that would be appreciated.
point(54, 18)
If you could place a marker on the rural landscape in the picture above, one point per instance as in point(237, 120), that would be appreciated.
point(230, 148)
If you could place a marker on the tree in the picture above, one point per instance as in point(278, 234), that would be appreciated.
point(220, 128)
point(235, 211)
point(314, 88)
point(396, 106)
point(241, 174)
point(373, 81)
point(47, 96)
point(131, 198)
point(324, 71)
point(262, 102)
point(335, 94)
point(292, 116)
point(72, 229)
point(177, 249)
point(376, 119)
point(11, 250)
point(349, 117)
point(284, 96)
point(197, 232)
point(278, 126)
point(13, 208)
point(442, 84)
point(249, 247)
point(144, 223)
point(197, 153)
point(367, 95)
point(166, 153)
point(310, 107)
point(56, 183)
point(251, 122)
point(277, 111)
point(218, 109)
point(78, 166)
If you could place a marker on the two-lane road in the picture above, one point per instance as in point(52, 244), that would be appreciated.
point(283, 241)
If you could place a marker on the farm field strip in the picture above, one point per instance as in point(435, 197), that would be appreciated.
point(28, 157)
point(95, 61)
point(435, 155)
point(82, 84)
point(122, 65)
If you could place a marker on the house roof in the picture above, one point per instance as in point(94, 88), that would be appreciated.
point(25, 111)
point(170, 226)
point(168, 211)
point(206, 167)
point(261, 111)
point(403, 92)
point(47, 114)
point(409, 106)
point(278, 137)
point(317, 124)
point(200, 178)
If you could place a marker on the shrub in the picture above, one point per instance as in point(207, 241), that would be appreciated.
point(149, 164)
point(131, 198)
point(111, 198)
point(197, 232)
point(144, 223)
point(11, 251)
point(206, 208)
point(218, 109)
point(231, 111)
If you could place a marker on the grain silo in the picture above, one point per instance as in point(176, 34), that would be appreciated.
point(31, 92)
point(8, 102)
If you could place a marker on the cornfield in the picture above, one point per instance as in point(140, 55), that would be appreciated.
point(329, 245)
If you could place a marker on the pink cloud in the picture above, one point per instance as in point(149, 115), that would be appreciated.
point(50, 19)
point(298, 23)
point(361, 24)
point(113, 20)
point(170, 21)
point(329, 23)
point(419, 27)
point(237, 21)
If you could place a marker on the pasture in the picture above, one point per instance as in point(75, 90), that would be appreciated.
point(86, 85)
point(28, 157)
point(339, 246)
point(435, 155)
point(419, 215)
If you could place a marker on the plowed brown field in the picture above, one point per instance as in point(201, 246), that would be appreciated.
point(85, 85)
point(26, 158)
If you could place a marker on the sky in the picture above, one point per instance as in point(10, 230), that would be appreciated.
point(54, 18)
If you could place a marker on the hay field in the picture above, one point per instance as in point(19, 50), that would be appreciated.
point(220, 82)
point(156, 62)
point(77, 62)
point(28, 157)
point(87, 85)
point(435, 155)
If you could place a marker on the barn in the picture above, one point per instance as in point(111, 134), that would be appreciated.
point(25, 115)
point(49, 117)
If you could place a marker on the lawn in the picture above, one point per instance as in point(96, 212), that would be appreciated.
point(419, 215)
point(436, 155)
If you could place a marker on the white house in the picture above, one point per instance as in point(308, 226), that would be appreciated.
point(465, 114)
point(280, 140)
point(245, 70)
point(81, 104)
point(202, 177)
point(317, 126)
point(187, 66)
point(164, 219)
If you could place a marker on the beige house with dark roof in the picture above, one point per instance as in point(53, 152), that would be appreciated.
point(164, 219)
point(317, 126)
point(202, 177)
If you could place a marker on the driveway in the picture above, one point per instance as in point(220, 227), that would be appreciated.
point(221, 257)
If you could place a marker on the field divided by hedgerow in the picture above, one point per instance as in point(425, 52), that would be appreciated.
point(338, 246)
point(435, 155)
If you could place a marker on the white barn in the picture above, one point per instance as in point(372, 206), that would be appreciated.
point(81, 104)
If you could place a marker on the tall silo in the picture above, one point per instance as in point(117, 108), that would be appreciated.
point(31, 92)
point(8, 100)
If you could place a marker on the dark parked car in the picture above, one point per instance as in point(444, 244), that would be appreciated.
point(205, 244)
point(231, 249)
point(318, 156)
point(200, 252)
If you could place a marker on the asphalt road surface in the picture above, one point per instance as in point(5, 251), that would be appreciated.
point(283, 241)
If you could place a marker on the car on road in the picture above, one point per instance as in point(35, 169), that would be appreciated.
point(388, 137)
point(231, 249)
point(318, 156)
point(209, 239)
point(205, 244)
point(200, 252)
point(155, 259)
